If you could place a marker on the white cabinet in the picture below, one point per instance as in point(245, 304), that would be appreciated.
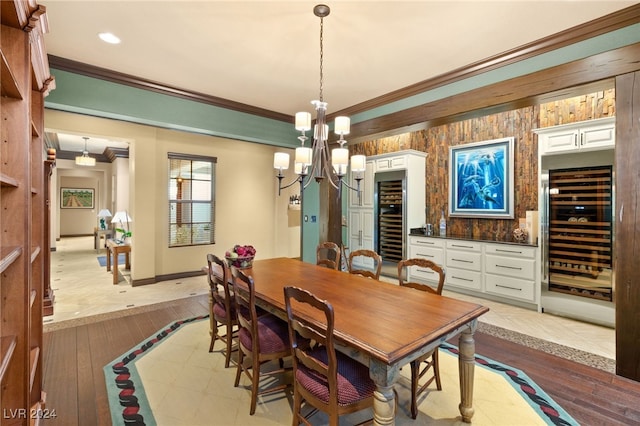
point(361, 234)
point(426, 248)
point(366, 187)
point(504, 272)
point(362, 214)
point(394, 163)
point(589, 135)
point(510, 271)
point(463, 264)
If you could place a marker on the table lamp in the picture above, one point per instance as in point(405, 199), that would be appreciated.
point(104, 213)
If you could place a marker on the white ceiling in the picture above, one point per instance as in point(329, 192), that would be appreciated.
point(266, 53)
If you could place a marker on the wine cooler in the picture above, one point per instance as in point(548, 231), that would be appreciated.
point(580, 232)
point(390, 226)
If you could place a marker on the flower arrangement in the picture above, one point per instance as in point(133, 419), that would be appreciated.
point(520, 235)
point(241, 256)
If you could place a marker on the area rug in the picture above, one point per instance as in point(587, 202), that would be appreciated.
point(172, 379)
point(102, 260)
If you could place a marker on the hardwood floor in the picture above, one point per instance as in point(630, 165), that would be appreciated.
point(74, 358)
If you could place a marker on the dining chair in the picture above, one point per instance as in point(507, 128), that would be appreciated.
point(325, 379)
point(377, 263)
point(429, 361)
point(261, 339)
point(222, 306)
point(328, 255)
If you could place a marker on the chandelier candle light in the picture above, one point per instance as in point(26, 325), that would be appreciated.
point(312, 162)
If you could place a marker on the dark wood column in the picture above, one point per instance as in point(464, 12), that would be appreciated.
point(627, 223)
point(330, 213)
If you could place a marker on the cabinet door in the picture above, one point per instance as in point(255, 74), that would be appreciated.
point(361, 234)
point(562, 141)
point(394, 163)
point(361, 229)
point(598, 137)
point(355, 228)
point(366, 188)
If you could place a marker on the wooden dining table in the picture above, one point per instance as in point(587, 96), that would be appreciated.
point(380, 324)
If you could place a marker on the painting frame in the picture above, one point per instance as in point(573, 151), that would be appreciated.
point(77, 198)
point(481, 181)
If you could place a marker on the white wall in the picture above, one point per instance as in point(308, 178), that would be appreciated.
point(248, 209)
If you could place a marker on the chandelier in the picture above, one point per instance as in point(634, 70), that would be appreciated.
point(313, 162)
point(84, 159)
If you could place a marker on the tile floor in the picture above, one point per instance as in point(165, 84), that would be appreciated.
point(83, 288)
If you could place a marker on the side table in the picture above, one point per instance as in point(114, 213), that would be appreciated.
point(114, 248)
point(98, 235)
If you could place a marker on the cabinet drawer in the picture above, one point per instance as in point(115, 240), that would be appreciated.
point(423, 274)
point(510, 287)
point(510, 250)
point(464, 260)
point(427, 242)
point(464, 245)
point(511, 266)
point(461, 278)
point(433, 254)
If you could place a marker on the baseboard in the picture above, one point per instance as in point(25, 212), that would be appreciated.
point(167, 277)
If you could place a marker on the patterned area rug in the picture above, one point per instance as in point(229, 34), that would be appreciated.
point(498, 388)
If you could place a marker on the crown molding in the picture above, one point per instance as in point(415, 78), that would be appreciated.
point(81, 68)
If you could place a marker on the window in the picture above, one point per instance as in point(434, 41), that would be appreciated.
point(191, 200)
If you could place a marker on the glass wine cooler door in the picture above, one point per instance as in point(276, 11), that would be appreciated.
point(580, 232)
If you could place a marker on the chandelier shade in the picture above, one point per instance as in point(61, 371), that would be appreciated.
point(313, 162)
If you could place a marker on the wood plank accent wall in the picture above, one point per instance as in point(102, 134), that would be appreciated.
point(588, 107)
point(518, 123)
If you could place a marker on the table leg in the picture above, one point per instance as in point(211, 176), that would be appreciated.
point(115, 266)
point(108, 258)
point(384, 397)
point(466, 365)
point(127, 260)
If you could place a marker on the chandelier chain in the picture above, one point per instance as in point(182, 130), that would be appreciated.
point(321, 58)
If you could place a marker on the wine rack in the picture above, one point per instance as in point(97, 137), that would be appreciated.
point(390, 220)
point(580, 232)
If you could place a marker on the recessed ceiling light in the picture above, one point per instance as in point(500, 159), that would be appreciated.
point(109, 38)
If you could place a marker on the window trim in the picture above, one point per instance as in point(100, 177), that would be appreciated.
point(192, 158)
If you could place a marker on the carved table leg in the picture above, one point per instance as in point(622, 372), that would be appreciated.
point(466, 365)
point(384, 397)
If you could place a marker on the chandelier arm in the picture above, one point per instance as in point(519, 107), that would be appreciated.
point(280, 187)
point(329, 173)
point(310, 174)
point(357, 188)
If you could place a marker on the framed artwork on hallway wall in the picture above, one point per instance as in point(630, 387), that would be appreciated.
point(481, 179)
point(77, 198)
